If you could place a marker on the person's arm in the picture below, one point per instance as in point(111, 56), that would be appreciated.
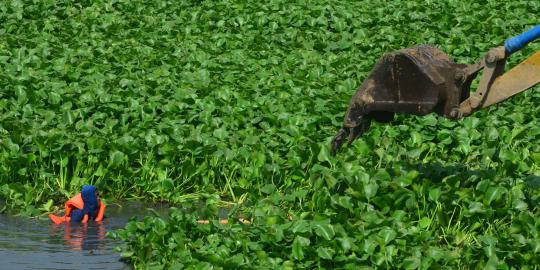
point(101, 211)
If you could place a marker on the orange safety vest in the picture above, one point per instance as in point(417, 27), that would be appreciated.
point(77, 202)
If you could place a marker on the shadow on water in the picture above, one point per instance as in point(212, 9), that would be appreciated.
point(39, 244)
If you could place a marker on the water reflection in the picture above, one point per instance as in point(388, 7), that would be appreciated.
point(81, 236)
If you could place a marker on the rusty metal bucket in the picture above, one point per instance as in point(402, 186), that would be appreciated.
point(423, 79)
point(417, 81)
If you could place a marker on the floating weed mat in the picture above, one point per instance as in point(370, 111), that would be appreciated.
point(160, 100)
point(394, 219)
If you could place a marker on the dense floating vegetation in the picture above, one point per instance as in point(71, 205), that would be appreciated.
point(172, 100)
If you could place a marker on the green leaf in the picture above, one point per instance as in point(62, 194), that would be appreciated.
point(298, 247)
point(346, 243)
point(325, 253)
point(127, 254)
point(54, 98)
point(324, 154)
point(411, 263)
point(424, 222)
point(345, 202)
point(476, 207)
point(167, 185)
point(268, 188)
point(387, 235)
point(434, 194)
point(492, 194)
point(300, 226)
point(116, 158)
point(325, 231)
point(47, 206)
point(370, 190)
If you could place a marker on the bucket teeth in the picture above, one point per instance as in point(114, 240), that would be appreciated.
point(338, 140)
point(351, 133)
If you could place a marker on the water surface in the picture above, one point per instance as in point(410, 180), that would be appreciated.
point(39, 244)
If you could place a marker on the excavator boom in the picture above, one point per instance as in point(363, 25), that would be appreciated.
point(520, 78)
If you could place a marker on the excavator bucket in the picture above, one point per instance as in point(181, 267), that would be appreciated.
point(416, 81)
point(423, 79)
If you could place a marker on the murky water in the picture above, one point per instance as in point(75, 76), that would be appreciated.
point(39, 244)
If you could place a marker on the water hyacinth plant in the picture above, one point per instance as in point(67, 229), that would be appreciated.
point(178, 100)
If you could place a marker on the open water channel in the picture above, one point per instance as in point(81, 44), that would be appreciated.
point(39, 244)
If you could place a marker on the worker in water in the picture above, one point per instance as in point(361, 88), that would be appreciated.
point(82, 207)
